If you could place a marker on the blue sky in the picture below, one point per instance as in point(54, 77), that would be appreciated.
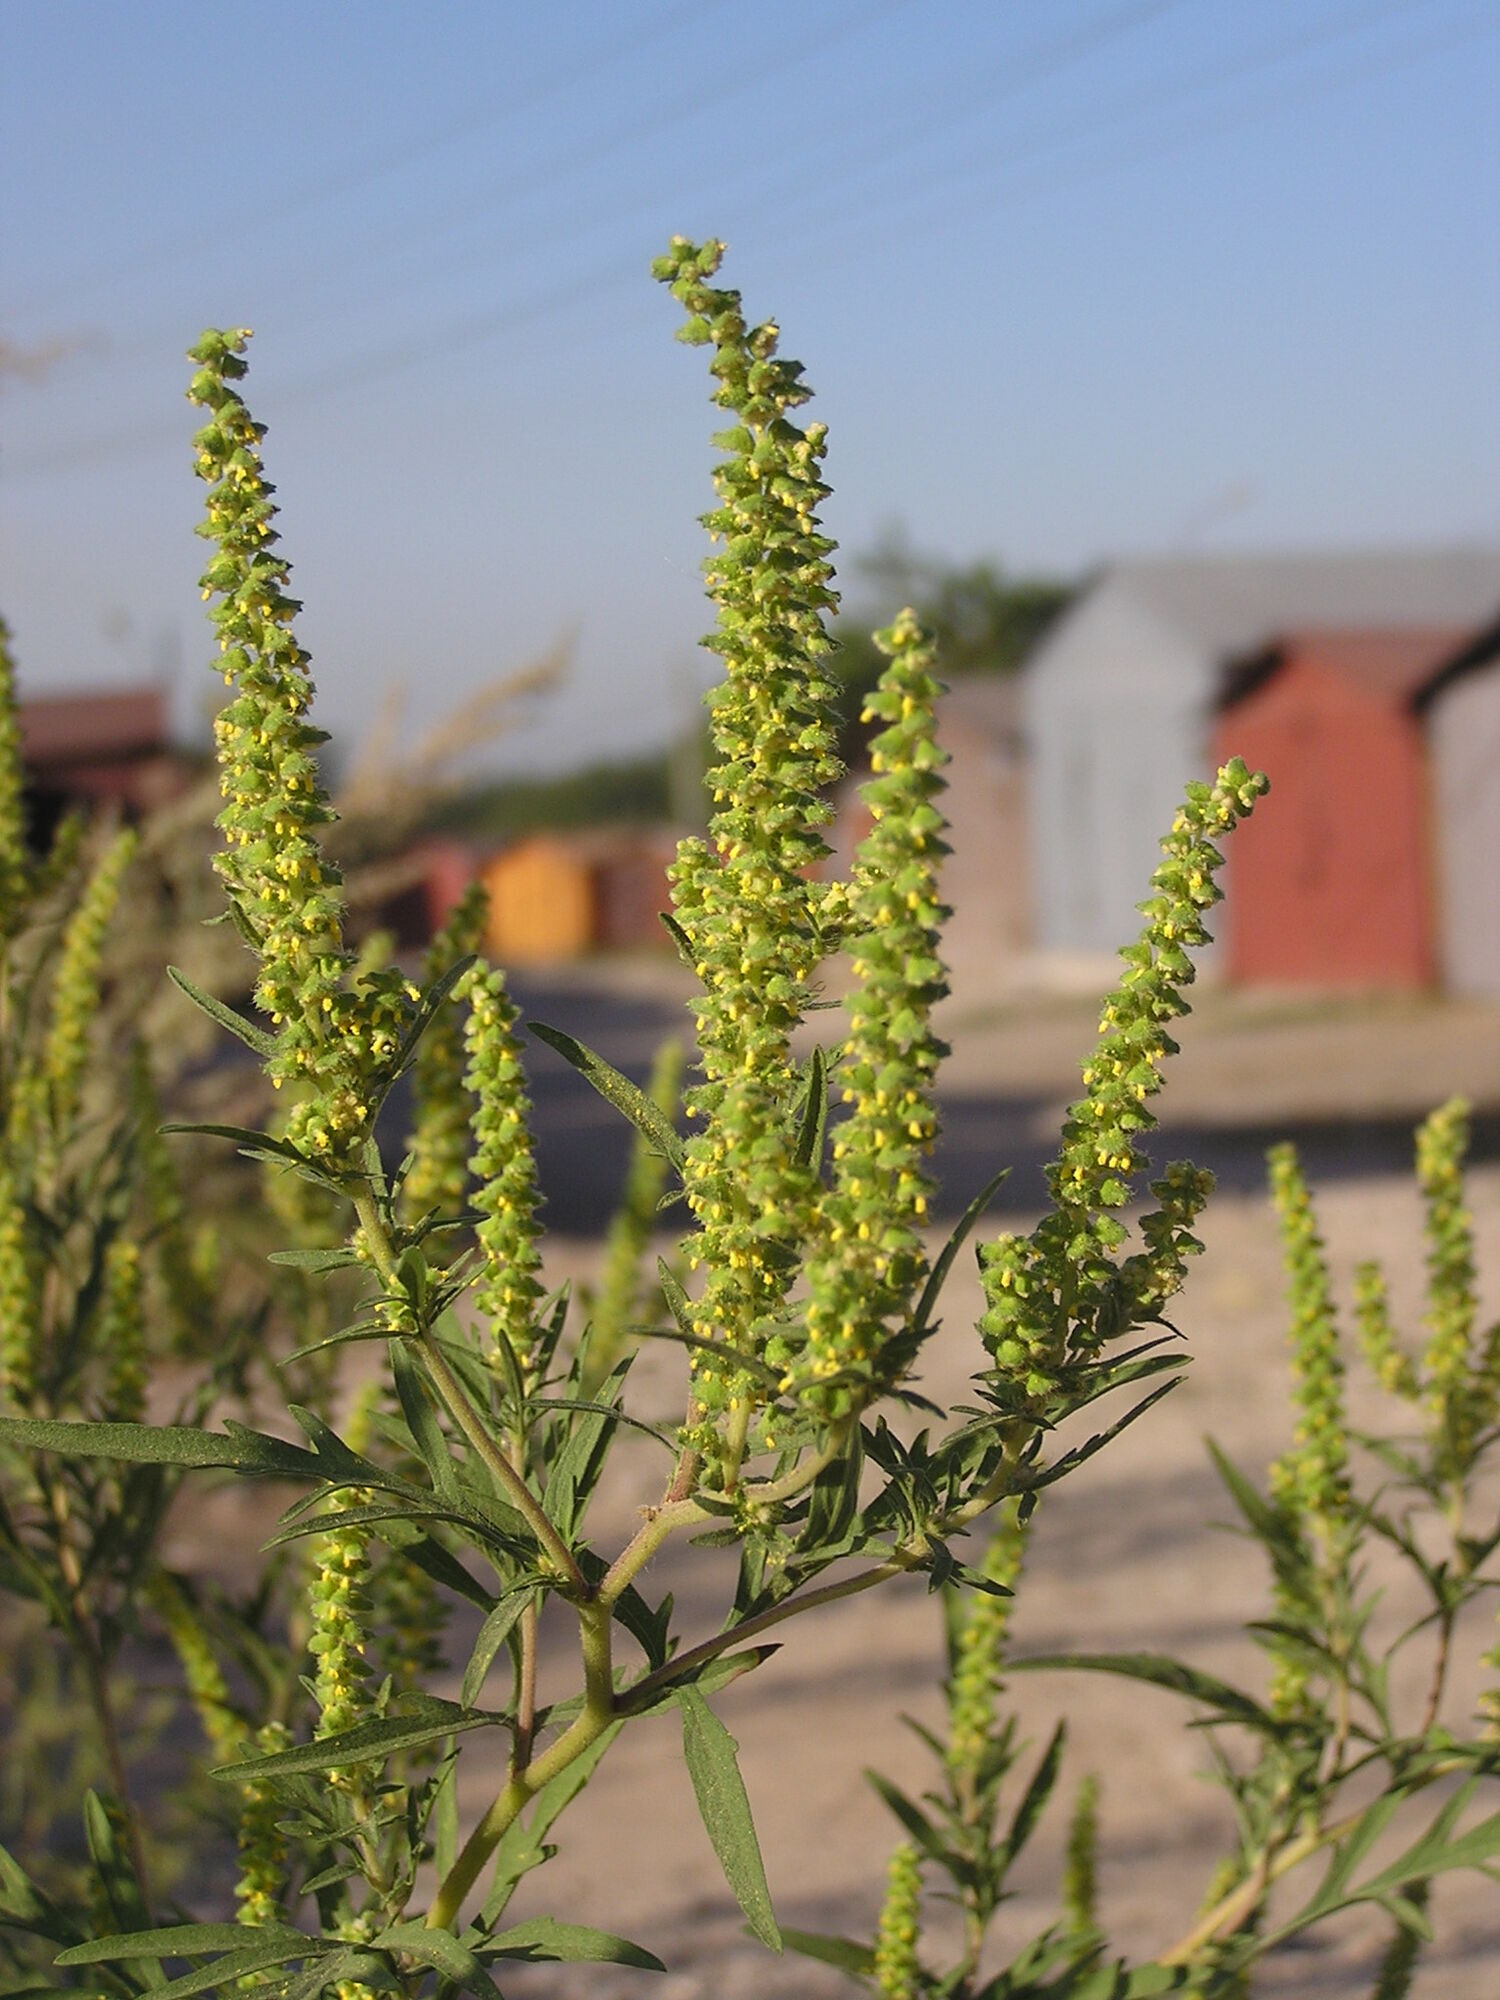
point(1071, 279)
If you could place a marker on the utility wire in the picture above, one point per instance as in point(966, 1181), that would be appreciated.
point(378, 162)
point(462, 333)
point(545, 175)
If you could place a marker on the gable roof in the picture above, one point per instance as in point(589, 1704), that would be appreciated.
point(1394, 664)
point(1232, 605)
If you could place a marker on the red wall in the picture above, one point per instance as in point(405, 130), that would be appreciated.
point(1330, 882)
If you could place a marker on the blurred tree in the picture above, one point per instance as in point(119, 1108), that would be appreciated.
point(985, 620)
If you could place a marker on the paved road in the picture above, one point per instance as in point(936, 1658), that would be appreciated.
point(583, 1143)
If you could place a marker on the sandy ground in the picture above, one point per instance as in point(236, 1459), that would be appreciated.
point(1129, 1554)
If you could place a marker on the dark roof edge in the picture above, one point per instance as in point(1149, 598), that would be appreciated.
point(1478, 651)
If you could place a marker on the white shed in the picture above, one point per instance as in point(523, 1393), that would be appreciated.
point(1117, 700)
point(1462, 705)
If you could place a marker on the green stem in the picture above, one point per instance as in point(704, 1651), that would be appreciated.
point(597, 1716)
point(486, 1448)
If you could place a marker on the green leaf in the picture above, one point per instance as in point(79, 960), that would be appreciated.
point(1071, 1460)
point(492, 1636)
point(911, 1815)
point(216, 1010)
point(856, 1959)
point(427, 1007)
point(575, 1471)
point(709, 1751)
point(367, 1742)
point(187, 1941)
point(1159, 1670)
point(938, 1276)
point(315, 1260)
point(647, 1117)
point(680, 938)
point(229, 1969)
point(814, 1121)
point(445, 1953)
point(117, 1878)
point(421, 1421)
point(574, 1944)
point(1036, 1795)
point(260, 1145)
point(239, 1449)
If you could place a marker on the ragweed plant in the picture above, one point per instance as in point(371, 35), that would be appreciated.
point(811, 1289)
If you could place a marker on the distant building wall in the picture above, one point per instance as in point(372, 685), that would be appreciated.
point(1464, 726)
point(1115, 718)
point(1331, 882)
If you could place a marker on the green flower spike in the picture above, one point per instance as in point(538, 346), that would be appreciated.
point(122, 1333)
point(871, 1257)
point(1080, 1883)
point(502, 1164)
point(1311, 1481)
point(979, 1649)
point(20, 1297)
point(751, 917)
point(438, 1177)
point(340, 1607)
point(15, 863)
point(619, 1299)
point(899, 1931)
point(1458, 1398)
point(207, 1689)
point(335, 1041)
point(76, 987)
point(260, 1842)
point(1057, 1293)
point(1391, 1366)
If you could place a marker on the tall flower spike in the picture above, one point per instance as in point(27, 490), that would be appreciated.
point(1057, 1292)
point(333, 1042)
point(899, 1931)
point(1311, 1481)
point(122, 1333)
point(871, 1257)
point(259, 1840)
point(744, 901)
point(979, 1651)
point(1389, 1363)
point(15, 866)
point(502, 1164)
point(439, 1173)
point(1457, 1399)
point(20, 1296)
point(77, 983)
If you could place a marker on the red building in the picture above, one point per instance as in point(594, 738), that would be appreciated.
point(1331, 883)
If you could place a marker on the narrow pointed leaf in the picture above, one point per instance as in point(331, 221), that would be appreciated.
point(186, 1941)
point(937, 1277)
point(814, 1125)
point(647, 1117)
point(235, 1447)
point(217, 1010)
point(544, 1938)
point(1159, 1671)
point(366, 1742)
point(492, 1636)
point(709, 1750)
